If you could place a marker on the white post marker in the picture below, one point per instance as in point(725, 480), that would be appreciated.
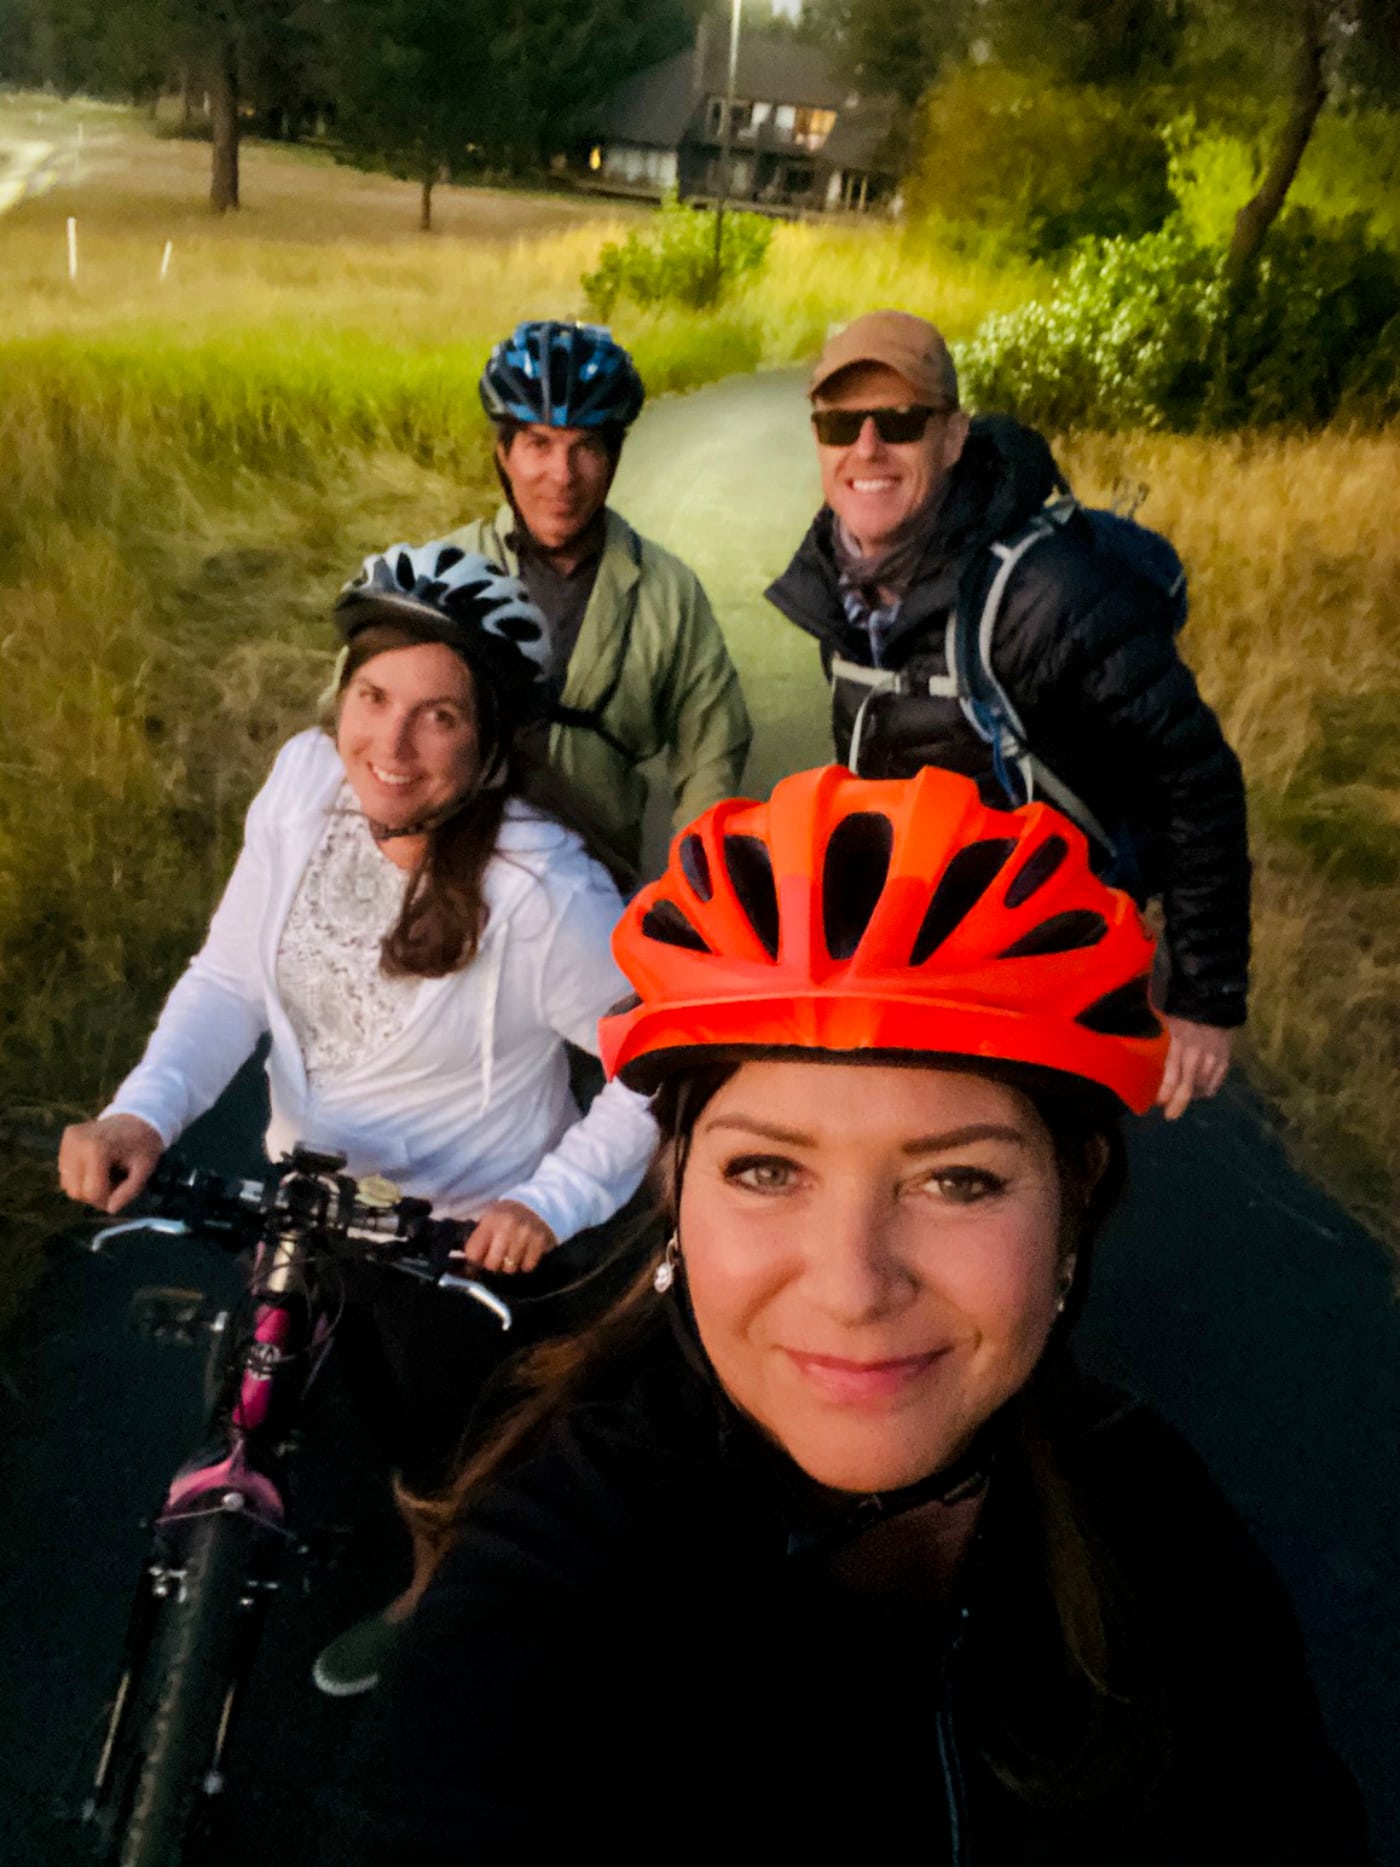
point(165, 257)
point(72, 247)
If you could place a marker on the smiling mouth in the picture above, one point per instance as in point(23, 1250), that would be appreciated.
point(395, 780)
point(854, 1382)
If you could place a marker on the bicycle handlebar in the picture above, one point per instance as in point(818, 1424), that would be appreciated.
point(306, 1195)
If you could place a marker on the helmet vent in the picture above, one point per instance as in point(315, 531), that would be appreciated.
point(853, 878)
point(695, 866)
point(1037, 870)
point(965, 880)
point(664, 922)
point(1125, 1012)
point(1062, 933)
point(751, 871)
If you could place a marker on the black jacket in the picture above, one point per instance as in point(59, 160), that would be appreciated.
point(640, 1649)
point(1106, 701)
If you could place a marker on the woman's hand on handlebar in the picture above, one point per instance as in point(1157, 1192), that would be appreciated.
point(105, 1163)
point(508, 1237)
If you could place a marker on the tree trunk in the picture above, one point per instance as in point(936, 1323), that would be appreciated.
point(425, 209)
point(223, 117)
point(1255, 218)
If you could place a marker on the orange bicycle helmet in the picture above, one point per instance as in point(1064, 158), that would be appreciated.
point(892, 918)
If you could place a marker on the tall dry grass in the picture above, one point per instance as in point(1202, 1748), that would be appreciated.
point(194, 465)
point(1294, 558)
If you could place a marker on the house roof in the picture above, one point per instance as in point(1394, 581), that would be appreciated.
point(658, 106)
point(654, 106)
point(777, 70)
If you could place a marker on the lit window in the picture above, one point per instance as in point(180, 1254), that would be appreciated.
point(813, 127)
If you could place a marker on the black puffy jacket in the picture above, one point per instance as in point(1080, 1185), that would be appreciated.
point(1106, 701)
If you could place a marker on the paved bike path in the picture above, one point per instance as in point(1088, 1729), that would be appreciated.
point(1231, 1292)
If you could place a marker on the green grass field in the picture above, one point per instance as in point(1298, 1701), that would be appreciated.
point(197, 462)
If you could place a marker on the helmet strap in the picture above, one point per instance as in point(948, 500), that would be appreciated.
point(491, 780)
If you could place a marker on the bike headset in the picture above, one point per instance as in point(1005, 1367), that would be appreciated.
point(441, 593)
point(888, 921)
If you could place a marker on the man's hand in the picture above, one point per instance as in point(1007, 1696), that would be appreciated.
point(509, 1237)
point(1197, 1064)
point(105, 1163)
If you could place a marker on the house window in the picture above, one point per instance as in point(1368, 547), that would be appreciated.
point(813, 127)
point(762, 113)
point(742, 120)
point(785, 119)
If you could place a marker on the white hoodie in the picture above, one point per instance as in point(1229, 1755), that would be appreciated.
point(469, 1101)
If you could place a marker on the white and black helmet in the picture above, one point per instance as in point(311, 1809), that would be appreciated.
point(463, 600)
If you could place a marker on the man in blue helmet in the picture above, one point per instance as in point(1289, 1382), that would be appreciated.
point(640, 667)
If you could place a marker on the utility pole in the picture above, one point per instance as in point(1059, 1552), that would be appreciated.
point(726, 141)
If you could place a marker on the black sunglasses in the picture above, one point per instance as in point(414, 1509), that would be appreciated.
point(840, 427)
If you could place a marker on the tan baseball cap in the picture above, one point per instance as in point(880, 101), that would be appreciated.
point(906, 344)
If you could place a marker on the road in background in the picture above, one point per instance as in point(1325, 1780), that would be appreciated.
point(1231, 1293)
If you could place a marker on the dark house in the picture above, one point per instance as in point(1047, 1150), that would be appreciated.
point(802, 137)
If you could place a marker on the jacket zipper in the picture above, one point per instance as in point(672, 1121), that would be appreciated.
point(948, 1757)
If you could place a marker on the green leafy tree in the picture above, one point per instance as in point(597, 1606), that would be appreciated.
point(418, 86)
point(431, 87)
point(1008, 157)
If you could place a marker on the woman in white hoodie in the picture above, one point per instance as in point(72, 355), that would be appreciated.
point(418, 943)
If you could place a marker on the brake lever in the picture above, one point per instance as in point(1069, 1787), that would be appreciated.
point(469, 1287)
point(167, 1228)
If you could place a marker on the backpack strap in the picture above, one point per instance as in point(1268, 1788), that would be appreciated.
point(878, 682)
point(986, 705)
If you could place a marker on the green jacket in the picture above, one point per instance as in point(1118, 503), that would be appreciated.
point(652, 669)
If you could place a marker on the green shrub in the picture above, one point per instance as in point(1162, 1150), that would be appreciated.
point(1144, 333)
point(1124, 342)
point(1305, 334)
point(673, 262)
point(1007, 157)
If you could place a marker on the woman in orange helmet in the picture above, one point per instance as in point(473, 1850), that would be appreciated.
point(818, 1543)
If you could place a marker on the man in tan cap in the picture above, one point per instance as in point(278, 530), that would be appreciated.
point(962, 628)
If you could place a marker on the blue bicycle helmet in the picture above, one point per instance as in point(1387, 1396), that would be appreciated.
point(561, 376)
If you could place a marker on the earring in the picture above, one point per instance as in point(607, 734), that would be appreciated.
point(1065, 1286)
point(664, 1275)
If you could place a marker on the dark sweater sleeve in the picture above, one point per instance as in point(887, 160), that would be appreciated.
point(1112, 697)
point(481, 1731)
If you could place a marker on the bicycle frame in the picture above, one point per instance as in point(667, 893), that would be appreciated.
point(239, 1473)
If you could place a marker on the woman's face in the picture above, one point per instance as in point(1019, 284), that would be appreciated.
point(407, 732)
point(873, 1258)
